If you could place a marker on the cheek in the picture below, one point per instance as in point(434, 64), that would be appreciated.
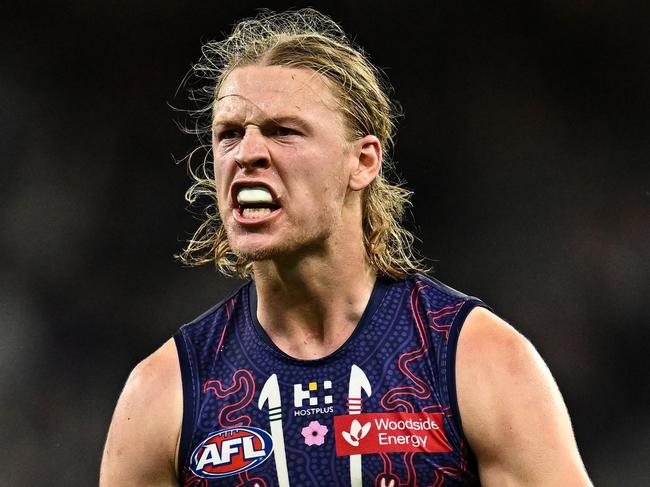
point(220, 184)
point(222, 173)
point(334, 183)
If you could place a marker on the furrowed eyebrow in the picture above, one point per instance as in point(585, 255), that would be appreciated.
point(225, 123)
point(266, 122)
point(289, 120)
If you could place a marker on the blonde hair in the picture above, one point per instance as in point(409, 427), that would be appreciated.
point(310, 40)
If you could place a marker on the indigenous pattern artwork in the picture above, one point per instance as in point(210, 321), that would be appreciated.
point(380, 411)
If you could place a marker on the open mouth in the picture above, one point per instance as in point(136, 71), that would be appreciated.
point(255, 202)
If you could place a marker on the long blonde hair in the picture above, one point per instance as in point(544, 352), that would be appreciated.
point(303, 39)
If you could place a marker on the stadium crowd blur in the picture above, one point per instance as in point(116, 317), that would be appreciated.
point(531, 120)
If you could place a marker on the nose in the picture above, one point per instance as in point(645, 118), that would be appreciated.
point(252, 152)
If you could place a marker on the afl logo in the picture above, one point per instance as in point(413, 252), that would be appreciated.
point(230, 451)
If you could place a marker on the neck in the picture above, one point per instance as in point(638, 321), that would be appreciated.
point(310, 306)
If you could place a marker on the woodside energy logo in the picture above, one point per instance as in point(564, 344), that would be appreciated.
point(390, 432)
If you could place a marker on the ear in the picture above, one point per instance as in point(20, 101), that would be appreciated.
point(367, 162)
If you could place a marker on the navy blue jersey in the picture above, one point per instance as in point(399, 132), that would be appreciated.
point(380, 411)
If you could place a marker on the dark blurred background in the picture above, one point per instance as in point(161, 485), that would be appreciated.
point(525, 139)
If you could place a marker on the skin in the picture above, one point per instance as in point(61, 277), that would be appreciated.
point(512, 411)
point(279, 127)
point(318, 176)
point(142, 440)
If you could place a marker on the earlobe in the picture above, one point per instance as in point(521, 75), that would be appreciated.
point(368, 162)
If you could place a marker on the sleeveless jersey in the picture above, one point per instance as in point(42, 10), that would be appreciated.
point(379, 411)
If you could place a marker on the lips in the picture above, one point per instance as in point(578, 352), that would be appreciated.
point(254, 202)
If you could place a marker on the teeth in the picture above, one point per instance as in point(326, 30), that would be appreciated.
point(256, 213)
point(254, 194)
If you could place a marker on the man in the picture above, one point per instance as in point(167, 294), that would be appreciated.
point(339, 363)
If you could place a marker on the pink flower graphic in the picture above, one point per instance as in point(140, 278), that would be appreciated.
point(314, 433)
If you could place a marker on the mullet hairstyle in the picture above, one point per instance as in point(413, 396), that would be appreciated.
point(304, 39)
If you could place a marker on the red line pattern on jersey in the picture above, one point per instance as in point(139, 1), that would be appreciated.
point(242, 380)
point(387, 479)
point(395, 399)
point(246, 481)
point(463, 461)
point(192, 480)
point(411, 475)
point(435, 316)
point(387, 464)
point(435, 408)
point(391, 400)
point(442, 473)
point(229, 305)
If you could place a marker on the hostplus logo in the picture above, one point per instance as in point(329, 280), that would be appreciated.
point(312, 398)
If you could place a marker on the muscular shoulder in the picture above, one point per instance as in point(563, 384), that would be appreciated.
point(492, 349)
point(157, 374)
point(142, 440)
point(511, 409)
point(497, 370)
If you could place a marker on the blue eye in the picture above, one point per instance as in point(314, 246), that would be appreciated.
point(281, 131)
point(229, 134)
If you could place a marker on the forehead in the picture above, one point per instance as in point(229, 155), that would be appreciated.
point(271, 90)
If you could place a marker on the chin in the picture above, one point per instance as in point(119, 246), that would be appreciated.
point(284, 246)
point(254, 249)
point(285, 251)
point(256, 254)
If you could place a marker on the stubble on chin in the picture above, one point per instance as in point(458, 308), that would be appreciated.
point(267, 252)
point(255, 255)
point(288, 250)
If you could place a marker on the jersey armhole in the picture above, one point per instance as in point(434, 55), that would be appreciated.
point(186, 365)
point(452, 346)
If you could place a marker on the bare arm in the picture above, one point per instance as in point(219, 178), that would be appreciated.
point(143, 436)
point(512, 412)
